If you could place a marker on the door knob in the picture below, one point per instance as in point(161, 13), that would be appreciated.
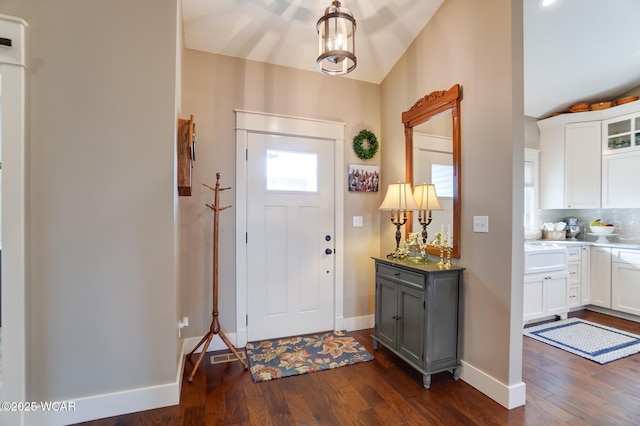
point(327, 237)
point(328, 251)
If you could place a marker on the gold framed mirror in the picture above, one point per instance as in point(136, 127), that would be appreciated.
point(432, 143)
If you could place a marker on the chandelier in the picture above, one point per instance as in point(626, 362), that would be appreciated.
point(336, 40)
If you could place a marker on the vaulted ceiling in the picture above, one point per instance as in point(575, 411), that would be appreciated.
point(574, 50)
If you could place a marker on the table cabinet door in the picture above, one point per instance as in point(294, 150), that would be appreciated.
point(411, 324)
point(386, 311)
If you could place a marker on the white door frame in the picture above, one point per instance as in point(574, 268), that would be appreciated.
point(12, 69)
point(258, 122)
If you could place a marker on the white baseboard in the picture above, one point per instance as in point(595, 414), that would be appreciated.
point(358, 323)
point(507, 396)
point(112, 404)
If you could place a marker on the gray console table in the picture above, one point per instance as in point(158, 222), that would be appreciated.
point(418, 315)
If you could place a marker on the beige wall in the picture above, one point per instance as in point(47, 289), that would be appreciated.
point(105, 286)
point(214, 86)
point(101, 98)
point(470, 43)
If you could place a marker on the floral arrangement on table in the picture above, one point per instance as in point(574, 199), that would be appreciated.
point(411, 248)
point(437, 240)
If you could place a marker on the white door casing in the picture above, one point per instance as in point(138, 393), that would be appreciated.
point(248, 123)
point(14, 195)
point(290, 236)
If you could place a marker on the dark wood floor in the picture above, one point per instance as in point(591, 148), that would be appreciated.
point(562, 388)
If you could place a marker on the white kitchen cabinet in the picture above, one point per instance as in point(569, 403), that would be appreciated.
point(570, 163)
point(621, 133)
point(578, 275)
point(620, 177)
point(545, 295)
point(625, 281)
point(600, 277)
point(585, 276)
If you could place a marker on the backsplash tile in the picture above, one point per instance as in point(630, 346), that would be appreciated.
point(627, 222)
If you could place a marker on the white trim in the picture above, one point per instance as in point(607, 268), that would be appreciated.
point(358, 323)
point(249, 121)
point(114, 404)
point(603, 114)
point(14, 354)
point(216, 343)
point(509, 396)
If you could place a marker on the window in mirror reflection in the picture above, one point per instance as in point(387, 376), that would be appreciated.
point(442, 178)
point(292, 171)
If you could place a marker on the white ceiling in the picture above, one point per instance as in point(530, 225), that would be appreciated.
point(574, 50)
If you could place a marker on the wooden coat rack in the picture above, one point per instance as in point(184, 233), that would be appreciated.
point(214, 328)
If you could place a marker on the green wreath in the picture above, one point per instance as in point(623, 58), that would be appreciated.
point(365, 152)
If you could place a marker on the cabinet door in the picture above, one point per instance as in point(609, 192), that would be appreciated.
point(585, 275)
point(582, 165)
point(556, 298)
point(533, 298)
point(620, 177)
point(411, 324)
point(625, 288)
point(600, 277)
point(552, 167)
point(386, 311)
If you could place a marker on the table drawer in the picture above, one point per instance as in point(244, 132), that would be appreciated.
point(402, 275)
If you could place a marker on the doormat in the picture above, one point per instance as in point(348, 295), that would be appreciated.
point(596, 342)
point(291, 356)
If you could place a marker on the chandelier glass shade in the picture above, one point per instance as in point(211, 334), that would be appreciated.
point(336, 41)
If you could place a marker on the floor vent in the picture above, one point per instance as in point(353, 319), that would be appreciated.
point(222, 358)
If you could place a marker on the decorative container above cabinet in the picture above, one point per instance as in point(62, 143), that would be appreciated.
point(186, 145)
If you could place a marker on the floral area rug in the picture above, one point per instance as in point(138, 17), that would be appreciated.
point(290, 356)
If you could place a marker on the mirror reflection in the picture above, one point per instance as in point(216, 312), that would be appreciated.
point(433, 163)
point(432, 149)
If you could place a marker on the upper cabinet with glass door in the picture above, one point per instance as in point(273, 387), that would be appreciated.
point(621, 133)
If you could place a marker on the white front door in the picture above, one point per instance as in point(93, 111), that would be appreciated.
point(290, 236)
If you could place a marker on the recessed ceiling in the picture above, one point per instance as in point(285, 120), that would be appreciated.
point(574, 50)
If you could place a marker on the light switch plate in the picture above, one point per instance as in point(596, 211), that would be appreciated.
point(357, 221)
point(481, 224)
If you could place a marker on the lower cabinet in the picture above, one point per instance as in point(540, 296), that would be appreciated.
point(625, 281)
point(600, 270)
point(578, 275)
point(418, 315)
point(545, 295)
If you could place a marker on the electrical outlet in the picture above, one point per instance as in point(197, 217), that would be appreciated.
point(357, 221)
point(184, 322)
point(481, 224)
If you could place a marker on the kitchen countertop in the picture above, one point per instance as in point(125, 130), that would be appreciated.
point(629, 245)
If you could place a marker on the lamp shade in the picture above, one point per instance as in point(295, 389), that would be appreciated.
point(426, 198)
point(336, 41)
point(399, 197)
